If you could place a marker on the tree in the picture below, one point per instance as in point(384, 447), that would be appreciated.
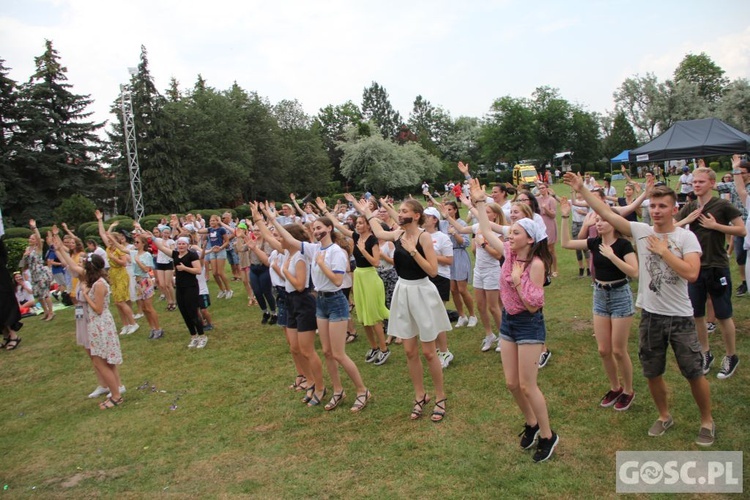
point(638, 97)
point(734, 107)
point(382, 166)
point(61, 150)
point(330, 123)
point(431, 124)
point(702, 71)
point(164, 183)
point(584, 136)
point(463, 143)
point(377, 108)
point(75, 210)
point(508, 132)
point(9, 119)
point(620, 137)
point(552, 115)
point(679, 100)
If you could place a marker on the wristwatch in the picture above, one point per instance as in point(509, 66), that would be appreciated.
point(413, 253)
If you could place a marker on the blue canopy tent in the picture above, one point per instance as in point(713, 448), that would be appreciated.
point(621, 158)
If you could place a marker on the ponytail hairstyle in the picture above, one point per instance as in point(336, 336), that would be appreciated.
point(417, 208)
point(94, 268)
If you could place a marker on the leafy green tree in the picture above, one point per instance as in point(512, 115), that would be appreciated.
point(734, 107)
point(680, 100)
point(639, 98)
point(377, 108)
point(61, 149)
point(620, 137)
point(584, 138)
point(383, 166)
point(705, 73)
point(552, 115)
point(431, 124)
point(330, 123)
point(463, 143)
point(508, 132)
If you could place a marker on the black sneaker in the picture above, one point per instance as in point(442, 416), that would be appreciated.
point(529, 435)
point(371, 355)
point(728, 366)
point(708, 360)
point(383, 357)
point(274, 319)
point(711, 327)
point(742, 290)
point(545, 447)
point(266, 317)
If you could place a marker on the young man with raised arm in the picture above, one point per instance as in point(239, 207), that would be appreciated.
point(668, 258)
point(711, 219)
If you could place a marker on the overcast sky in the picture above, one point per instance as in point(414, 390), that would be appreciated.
point(458, 54)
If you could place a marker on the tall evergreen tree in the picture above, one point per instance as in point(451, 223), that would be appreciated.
point(61, 150)
point(9, 118)
point(377, 108)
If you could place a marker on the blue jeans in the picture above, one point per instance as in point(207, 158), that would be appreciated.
point(332, 306)
point(260, 282)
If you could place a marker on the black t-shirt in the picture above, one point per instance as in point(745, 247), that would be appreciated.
point(606, 270)
point(370, 242)
point(406, 266)
point(712, 241)
point(632, 216)
point(184, 279)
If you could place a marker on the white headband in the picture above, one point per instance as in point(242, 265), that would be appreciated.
point(532, 229)
point(183, 239)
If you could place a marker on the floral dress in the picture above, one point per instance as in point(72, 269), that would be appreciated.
point(103, 338)
point(41, 276)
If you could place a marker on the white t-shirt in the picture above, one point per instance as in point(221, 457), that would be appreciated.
point(202, 282)
point(483, 259)
point(686, 183)
point(387, 248)
point(660, 289)
point(22, 293)
point(443, 246)
point(161, 257)
point(278, 259)
point(293, 271)
point(335, 258)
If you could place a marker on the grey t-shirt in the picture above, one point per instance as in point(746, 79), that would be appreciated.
point(660, 289)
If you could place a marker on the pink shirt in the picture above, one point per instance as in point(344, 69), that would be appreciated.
point(511, 301)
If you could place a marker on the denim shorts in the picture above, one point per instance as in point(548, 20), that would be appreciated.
point(656, 332)
point(232, 257)
point(204, 301)
point(614, 303)
point(523, 328)
point(281, 311)
point(716, 282)
point(333, 307)
point(222, 254)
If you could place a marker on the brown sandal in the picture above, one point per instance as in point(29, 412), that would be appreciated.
point(337, 398)
point(361, 401)
point(416, 412)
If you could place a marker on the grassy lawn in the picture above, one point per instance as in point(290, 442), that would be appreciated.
point(221, 422)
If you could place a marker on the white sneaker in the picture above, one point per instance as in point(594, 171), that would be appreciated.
point(497, 349)
point(221, 294)
point(98, 391)
point(472, 321)
point(122, 391)
point(462, 321)
point(488, 341)
point(229, 294)
point(138, 316)
point(133, 328)
point(446, 358)
point(193, 342)
point(125, 330)
point(202, 341)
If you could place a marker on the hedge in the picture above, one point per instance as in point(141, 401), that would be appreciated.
point(17, 232)
point(16, 247)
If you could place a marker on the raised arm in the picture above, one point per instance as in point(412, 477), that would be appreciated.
point(565, 239)
point(739, 181)
point(264, 231)
point(600, 207)
point(323, 207)
point(479, 197)
point(380, 233)
point(106, 239)
point(35, 230)
point(301, 212)
point(291, 240)
point(63, 253)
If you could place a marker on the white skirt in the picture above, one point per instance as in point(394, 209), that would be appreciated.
point(417, 309)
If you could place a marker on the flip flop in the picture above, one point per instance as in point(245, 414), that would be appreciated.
point(12, 343)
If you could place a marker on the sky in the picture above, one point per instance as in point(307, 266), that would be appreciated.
point(458, 55)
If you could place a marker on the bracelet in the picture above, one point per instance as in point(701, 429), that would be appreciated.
point(565, 216)
point(370, 218)
point(467, 177)
point(736, 172)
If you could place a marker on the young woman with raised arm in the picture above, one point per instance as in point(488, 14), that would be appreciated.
point(328, 263)
point(119, 259)
point(614, 260)
point(523, 332)
point(417, 310)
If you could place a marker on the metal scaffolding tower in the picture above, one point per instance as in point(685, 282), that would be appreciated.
point(131, 151)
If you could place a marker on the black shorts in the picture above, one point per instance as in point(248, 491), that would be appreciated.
point(443, 286)
point(716, 282)
point(164, 267)
point(301, 309)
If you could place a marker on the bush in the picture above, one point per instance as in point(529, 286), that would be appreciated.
point(595, 175)
point(16, 247)
point(17, 232)
point(715, 166)
point(243, 211)
point(75, 210)
point(84, 228)
point(506, 176)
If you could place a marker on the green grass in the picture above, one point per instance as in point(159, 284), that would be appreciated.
point(239, 431)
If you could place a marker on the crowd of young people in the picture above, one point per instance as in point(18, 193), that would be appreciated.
point(399, 269)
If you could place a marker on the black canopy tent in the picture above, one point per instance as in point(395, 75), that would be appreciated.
point(693, 139)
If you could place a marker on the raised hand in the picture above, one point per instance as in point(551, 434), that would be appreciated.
point(564, 207)
point(32, 223)
point(292, 196)
point(477, 191)
point(98, 214)
point(463, 168)
point(575, 181)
